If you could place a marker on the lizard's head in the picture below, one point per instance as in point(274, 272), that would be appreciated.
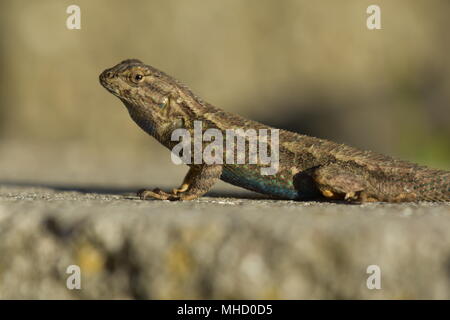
point(133, 81)
point(149, 94)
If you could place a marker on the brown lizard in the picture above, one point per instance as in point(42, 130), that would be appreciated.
point(309, 168)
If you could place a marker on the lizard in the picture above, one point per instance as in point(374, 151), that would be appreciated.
point(309, 168)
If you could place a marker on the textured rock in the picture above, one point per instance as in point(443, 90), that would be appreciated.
point(218, 247)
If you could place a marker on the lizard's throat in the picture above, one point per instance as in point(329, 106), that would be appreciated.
point(143, 118)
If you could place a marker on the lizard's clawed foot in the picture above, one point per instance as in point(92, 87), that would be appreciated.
point(157, 194)
point(351, 196)
point(359, 196)
point(181, 189)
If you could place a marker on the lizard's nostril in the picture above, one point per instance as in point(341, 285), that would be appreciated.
point(107, 75)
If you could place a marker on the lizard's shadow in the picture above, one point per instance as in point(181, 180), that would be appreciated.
point(127, 193)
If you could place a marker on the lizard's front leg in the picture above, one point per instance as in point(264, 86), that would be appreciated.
point(198, 181)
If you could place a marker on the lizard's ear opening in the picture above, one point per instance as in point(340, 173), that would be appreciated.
point(164, 102)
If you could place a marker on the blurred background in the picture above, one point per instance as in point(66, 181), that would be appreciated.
point(308, 66)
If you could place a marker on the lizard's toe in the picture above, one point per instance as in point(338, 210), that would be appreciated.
point(143, 194)
point(349, 196)
point(155, 193)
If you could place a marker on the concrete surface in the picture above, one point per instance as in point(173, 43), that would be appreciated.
point(217, 247)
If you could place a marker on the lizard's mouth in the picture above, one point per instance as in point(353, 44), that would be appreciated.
point(114, 91)
point(104, 81)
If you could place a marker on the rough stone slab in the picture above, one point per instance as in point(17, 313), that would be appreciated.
point(218, 247)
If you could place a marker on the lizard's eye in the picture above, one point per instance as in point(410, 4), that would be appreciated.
point(137, 77)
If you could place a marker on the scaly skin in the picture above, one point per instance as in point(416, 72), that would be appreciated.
point(309, 168)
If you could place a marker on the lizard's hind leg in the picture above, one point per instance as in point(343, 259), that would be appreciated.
point(338, 181)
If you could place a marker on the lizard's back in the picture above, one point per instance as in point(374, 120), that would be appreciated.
point(385, 178)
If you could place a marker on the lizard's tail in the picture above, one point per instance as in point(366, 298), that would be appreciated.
point(432, 185)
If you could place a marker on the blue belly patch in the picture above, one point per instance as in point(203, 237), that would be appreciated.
point(263, 184)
